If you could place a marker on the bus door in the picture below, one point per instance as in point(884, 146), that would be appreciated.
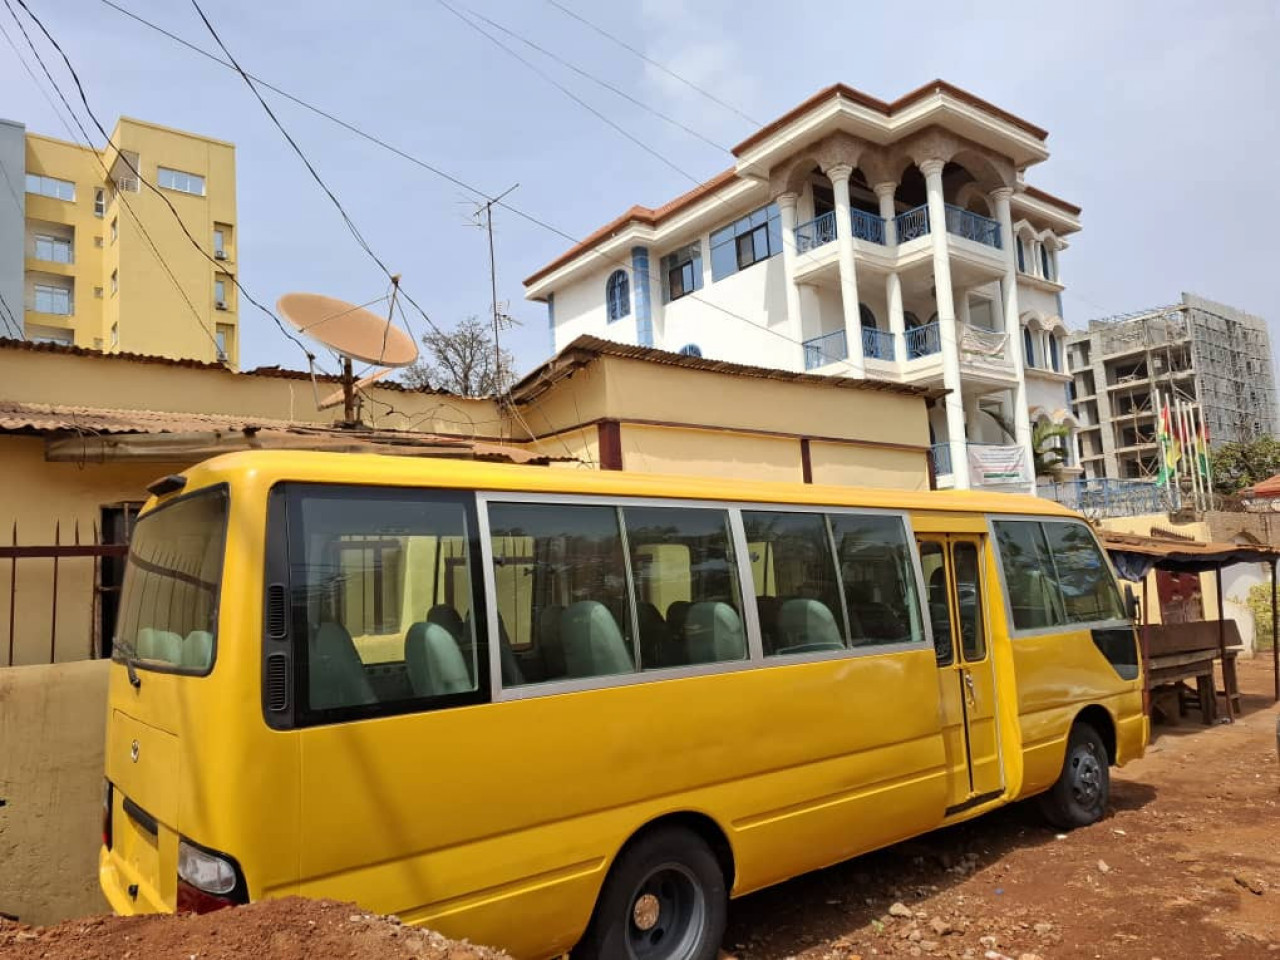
point(952, 566)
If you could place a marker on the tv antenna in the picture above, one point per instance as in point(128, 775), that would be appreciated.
point(353, 333)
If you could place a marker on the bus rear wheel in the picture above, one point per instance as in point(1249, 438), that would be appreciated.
point(1080, 796)
point(664, 899)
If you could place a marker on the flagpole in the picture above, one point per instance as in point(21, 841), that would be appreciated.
point(1208, 460)
point(1191, 461)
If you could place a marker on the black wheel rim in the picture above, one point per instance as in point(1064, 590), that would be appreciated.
point(668, 912)
point(1086, 776)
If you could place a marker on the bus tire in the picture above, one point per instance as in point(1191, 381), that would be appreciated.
point(664, 899)
point(1080, 795)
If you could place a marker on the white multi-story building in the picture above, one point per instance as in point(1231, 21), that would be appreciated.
point(865, 239)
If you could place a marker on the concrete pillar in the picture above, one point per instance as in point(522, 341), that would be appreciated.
point(1012, 323)
point(954, 401)
point(893, 283)
point(839, 174)
point(795, 326)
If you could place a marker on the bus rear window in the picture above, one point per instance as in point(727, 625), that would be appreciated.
point(169, 605)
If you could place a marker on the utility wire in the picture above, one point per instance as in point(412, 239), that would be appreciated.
point(10, 321)
point(653, 63)
point(119, 194)
point(141, 179)
point(597, 81)
point(315, 175)
point(442, 174)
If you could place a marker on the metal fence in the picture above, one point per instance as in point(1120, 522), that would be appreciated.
point(38, 577)
point(1103, 497)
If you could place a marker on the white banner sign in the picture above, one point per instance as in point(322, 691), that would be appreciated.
point(983, 343)
point(991, 464)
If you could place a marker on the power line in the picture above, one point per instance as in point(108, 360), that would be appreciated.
point(609, 121)
point(599, 82)
point(430, 168)
point(10, 321)
point(315, 175)
point(119, 194)
point(138, 174)
point(653, 63)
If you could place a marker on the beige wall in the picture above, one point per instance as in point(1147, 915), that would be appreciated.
point(852, 465)
point(709, 453)
point(52, 727)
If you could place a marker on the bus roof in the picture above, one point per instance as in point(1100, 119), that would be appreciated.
point(374, 469)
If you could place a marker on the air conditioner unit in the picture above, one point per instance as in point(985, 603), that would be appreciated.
point(220, 305)
point(219, 254)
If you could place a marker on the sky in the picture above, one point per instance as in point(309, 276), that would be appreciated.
point(1163, 118)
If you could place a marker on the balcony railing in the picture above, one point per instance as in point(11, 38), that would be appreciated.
point(1104, 497)
point(867, 226)
point(940, 454)
point(828, 348)
point(973, 226)
point(816, 232)
point(877, 344)
point(912, 224)
point(923, 341)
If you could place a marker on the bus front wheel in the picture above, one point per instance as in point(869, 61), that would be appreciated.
point(664, 899)
point(1080, 795)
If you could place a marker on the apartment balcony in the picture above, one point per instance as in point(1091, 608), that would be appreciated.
point(914, 224)
point(826, 349)
point(924, 341)
point(822, 230)
point(878, 344)
point(1101, 498)
point(995, 465)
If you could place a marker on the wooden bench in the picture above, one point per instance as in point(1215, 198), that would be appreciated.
point(1178, 653)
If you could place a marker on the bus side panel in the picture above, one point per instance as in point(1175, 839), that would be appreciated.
point(802, 766)
point(1057, 675)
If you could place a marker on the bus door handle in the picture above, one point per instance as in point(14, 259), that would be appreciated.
point(968, 687)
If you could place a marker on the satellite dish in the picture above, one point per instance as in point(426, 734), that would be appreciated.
point(353, 333)
point(349, 330)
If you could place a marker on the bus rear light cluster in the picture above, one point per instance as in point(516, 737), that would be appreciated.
point(207, 881)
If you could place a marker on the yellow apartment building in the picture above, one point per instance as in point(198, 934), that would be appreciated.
point(96, 259)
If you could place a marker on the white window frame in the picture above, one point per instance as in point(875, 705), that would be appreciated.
point(54, 244)
point(180, 181)
point(50, 187)
point(54, 293)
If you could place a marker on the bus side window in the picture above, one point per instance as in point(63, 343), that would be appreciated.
point(1029, 575)
point(805, 613)
point(878, 578)
point(563, 596)
point(381, 585)
point(685, 578)
point(933, 565)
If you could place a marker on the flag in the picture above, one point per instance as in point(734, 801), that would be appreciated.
point(1169, 446)
point(1202, 447)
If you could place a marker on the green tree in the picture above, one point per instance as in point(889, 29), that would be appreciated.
point(1048, 444)
point(1259, 603)
point(1239, 465)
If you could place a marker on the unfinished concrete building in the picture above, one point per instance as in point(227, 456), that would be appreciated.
point(1207, 354)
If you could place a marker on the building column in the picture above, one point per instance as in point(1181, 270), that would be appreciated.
point(954, 400)
point(839, 174)
point(893, 283)
point(795, 326)
point(1012, 323)
point(642, 296)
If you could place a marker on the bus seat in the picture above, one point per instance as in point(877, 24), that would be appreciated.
point(433, 661)
point(677, 614)
point(336, 673)
point(655, 637)
point(873, 620)
point(593, 644)
point(197, 650)
point(714, 633)
point(443, 615)
point(164, 646)
point(550, 644)
point(807, 623)
point(512, 675)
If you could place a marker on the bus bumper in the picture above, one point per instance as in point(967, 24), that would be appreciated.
point(125, 894)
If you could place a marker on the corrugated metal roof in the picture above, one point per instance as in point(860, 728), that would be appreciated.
point(198, 435)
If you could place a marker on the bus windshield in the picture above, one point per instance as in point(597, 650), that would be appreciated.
point(169, 605)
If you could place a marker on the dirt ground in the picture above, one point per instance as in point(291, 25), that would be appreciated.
point(1187, 865)
point(290, 929)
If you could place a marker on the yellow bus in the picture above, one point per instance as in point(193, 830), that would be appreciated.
point(557, 710)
